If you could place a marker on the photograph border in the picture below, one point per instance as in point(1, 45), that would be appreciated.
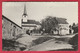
point(39, 1)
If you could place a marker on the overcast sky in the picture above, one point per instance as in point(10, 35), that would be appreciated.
point(39, 10)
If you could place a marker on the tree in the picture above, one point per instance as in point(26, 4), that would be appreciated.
point(74, 24)
point(49, 23)
point(70, 26)
point(75, 28)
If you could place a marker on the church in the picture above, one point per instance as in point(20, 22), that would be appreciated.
point(28, 24)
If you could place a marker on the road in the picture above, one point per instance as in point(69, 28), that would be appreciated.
point(51, 44)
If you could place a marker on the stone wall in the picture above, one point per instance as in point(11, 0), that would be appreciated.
point(9, 29)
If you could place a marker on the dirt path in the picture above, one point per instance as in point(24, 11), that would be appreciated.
point(51, 45)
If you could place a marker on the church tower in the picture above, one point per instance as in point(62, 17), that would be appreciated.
point(24, 16)
point(24, 19)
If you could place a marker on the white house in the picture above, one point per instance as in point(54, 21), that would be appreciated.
point(63, 27)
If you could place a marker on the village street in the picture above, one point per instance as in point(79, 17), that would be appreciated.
point(53, 44)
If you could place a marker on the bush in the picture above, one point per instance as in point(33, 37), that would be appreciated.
point(10, 45)
point(74, 41)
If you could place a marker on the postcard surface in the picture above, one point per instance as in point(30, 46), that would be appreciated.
point(34, 26)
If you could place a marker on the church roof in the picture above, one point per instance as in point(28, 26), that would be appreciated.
point(31, 22)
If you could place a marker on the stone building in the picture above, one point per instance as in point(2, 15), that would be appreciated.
point(10, 29)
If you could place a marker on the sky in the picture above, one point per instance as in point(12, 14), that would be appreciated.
point(40, 10)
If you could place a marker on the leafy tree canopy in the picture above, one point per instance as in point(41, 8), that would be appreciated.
point(49, 23)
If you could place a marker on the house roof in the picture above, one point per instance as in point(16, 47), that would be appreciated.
point(61, 21)
point(31, 22)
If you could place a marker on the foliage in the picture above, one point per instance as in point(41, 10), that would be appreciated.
point(74, 41)
point(10, 45)
point(49, 23)
point(75, 28)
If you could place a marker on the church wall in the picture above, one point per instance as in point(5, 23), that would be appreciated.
point(9, 29)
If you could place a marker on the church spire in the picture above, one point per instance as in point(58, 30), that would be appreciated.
point(25, 12)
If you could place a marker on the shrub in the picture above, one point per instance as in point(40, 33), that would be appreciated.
point(10, 45)
point(74, 41)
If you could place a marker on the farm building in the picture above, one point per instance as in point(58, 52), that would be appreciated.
point(10, 29)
